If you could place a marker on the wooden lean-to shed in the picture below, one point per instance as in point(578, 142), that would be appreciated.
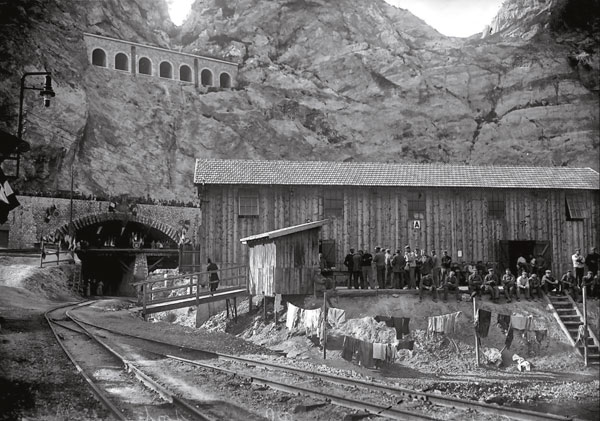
point(284, 261)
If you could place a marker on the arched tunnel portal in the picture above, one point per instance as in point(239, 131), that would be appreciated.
point(119, 249)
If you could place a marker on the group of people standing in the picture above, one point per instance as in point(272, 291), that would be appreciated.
point(429, 272)
point(408, 270)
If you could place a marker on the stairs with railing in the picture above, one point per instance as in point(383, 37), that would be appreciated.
point(570, 319)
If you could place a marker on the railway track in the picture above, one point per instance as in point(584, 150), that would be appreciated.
point(121, 387)
point(389, 401)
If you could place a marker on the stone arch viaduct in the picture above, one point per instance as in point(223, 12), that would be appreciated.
point(155, 62)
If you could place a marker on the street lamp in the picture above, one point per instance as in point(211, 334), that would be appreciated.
point(47, 93)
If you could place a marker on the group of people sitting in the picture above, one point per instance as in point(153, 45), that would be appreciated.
point(418, 270)
point(530, 285)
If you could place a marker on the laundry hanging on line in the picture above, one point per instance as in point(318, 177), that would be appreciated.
point(445, 323)
point(401, 326)
point(349, 348)
point(482, 324)
point(504, 322)
point(336, 316)
point(520, 322)
point(311, 321)
point(293, 317)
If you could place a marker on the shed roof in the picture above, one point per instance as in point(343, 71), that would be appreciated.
point(285, 231)
point(233, 171)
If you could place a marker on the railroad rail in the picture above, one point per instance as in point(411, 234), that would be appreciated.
point(400, 394)
point(109, 373)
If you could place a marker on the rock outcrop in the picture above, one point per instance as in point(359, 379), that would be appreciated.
point(345, 80)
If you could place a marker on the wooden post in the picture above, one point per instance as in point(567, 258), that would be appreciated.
point(144, 288)
point(476, 338)
point(227, 307)
point(42, 254)
point(249, 304)
point(58, 254)
point(276, 305)
point(324, 316)
point(265, 308)
point(235, 309)
point(585, 328)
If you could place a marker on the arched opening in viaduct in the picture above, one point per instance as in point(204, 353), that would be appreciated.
point(166, 70)
point(121, 61)
point(225, 80)
point(111, 243)
point(206, 77)
point(99, 57)
point(185, 73)
point(145, 66)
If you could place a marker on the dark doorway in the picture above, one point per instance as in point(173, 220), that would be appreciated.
point(512, 250)
point(327, 247)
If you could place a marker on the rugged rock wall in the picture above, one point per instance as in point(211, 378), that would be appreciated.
point(344, 80)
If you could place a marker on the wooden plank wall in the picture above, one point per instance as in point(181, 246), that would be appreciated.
point(297, 261)
point(456, 219)
point(261, 264)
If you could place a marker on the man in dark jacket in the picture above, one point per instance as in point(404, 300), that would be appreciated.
point(379, 260)
point(214, 276)
point(349, 263)
point(367, 270)
point(591, 260)
point(357, 270)
point(398, 263)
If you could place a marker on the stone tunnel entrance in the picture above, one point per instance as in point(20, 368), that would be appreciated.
point(120, 252)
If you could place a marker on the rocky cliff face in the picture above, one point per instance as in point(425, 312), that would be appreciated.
point(345, 80)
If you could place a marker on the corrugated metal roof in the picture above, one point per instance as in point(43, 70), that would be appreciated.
point(235, 171)
point(285, 231)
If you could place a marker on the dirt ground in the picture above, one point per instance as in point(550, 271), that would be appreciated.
point(38, 382)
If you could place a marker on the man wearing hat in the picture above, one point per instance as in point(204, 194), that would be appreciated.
point(411, 262)
point(349, 263)
point(379, 261)
point(549, 283)
point(398, 264)
point(568, 283)
point(446, 262)
point(490, 283)
point(578, 265)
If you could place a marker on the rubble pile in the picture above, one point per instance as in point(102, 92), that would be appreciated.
point(367, 329)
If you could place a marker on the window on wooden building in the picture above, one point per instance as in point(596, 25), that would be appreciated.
point(575, 207)
point(248, 203)
point(496, 205)
point(333, 202)
point(416, 205)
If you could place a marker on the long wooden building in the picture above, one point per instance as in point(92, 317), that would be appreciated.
point(477, 213)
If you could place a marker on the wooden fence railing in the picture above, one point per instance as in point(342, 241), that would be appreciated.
point(62, 256)
point(189, 285)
